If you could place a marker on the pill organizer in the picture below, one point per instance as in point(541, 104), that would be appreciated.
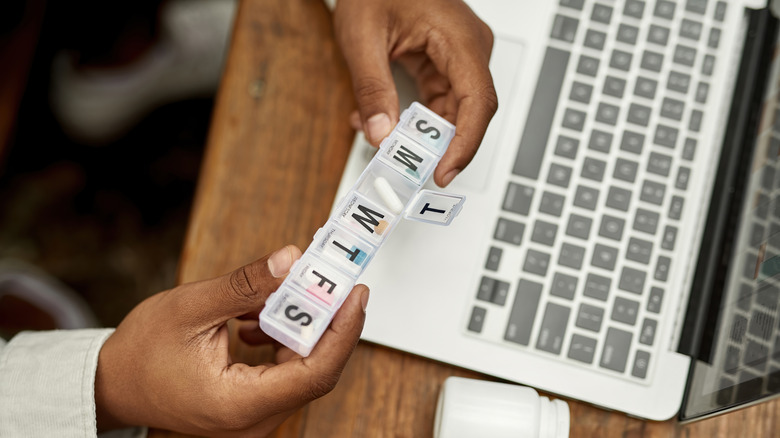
point(389, 189)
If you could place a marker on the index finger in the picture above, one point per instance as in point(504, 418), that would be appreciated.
point(465, 63)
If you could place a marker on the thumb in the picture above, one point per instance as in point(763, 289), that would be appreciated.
point(244, 290)
point(367, 55)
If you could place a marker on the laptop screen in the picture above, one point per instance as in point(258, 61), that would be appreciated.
point(739, 358)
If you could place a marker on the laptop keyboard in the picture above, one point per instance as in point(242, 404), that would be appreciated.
point(593, 209)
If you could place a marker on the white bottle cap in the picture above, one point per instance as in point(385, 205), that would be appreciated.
point(470, 408)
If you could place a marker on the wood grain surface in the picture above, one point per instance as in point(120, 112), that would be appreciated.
point(278, 143)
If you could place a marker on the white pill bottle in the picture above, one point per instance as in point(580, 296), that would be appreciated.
point(469, 408)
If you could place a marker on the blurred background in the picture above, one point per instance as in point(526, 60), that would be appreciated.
point(104, 112)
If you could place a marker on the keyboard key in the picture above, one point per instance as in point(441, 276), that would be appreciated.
point(762, 325)
point(639, 114)
point(678, 82)
point(714, 39)
point(607, 113)
point(620, 60)
point(604, 257)
point(690, 29)
point(518, 198)
point(646, 221)
point(586, 197)
point(639, 250)
point(664, 9)
point(625, 170)
point(536, 262)
point(563, 286)
point(566, 147)
point(493, 291)
point(509, 231)
point(625, 310)
point(529, 157)
point(732, 360)
point(669, 237)
point(652, 192)
point(695, 122)
point(582, 348)
point(595, 39)
point(702, 90)
point(521, 318)
point(655, 300)
point(738, 328)
point(708, 65)
point(684, 55)
point(683, 176)
point(601, 13)
point(632, 142)
point(641, 364)
point(720, 10)
point(544, 233)
point(600, 141)
point(675, 208)
point(658, 35)
point(627, 33)
point(551, 204)
point(672, 109)
point(564, 28)
point(614, 86)
point(588, 66)
point(493, 258)
point(662, 268)
point(581, 92)
point(559, 175)
point(632, 280)
point(477, 319)
point(689, 149)
point(571, 256)
point(618, 198)
point(590, 317)
point(647, 335)
point(574, 4)
point(696, 6)
point(665, 136)
point(593, 169)
point(659, 164)
point(611, 227)
point(767, 295)
point(616, 348)
point(553, 328)
point(645, 87)
point(573, 119)
point(652, 61)
point(756, 356)
point(634, 8)
point(579, 226)
point(597, 287)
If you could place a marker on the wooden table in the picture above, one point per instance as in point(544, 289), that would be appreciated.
point(278, 144)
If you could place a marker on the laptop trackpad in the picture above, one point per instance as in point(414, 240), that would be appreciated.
point(505, 63)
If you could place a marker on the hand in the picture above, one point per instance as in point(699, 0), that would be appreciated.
point(443, 45)
point(167, 365)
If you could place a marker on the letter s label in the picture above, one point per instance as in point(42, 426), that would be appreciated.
point(420, 125)
point(288, 312)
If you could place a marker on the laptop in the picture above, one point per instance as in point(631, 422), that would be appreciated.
point(620, 240)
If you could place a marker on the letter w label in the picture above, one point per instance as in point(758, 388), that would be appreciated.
point(406, 157)
point(369, 221)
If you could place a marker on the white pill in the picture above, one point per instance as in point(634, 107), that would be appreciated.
point(386, 192)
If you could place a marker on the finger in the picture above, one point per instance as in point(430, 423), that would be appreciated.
point(240, 292)
point(301, 380)
point(472, 86)
point(368, 62)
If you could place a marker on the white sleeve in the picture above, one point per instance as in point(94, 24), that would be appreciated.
point(331, 4)
point(47, 384)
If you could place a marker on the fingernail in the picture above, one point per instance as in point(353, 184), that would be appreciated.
point(364, 299)
point(377, 127)
point(449, 177)
point(280, 262)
